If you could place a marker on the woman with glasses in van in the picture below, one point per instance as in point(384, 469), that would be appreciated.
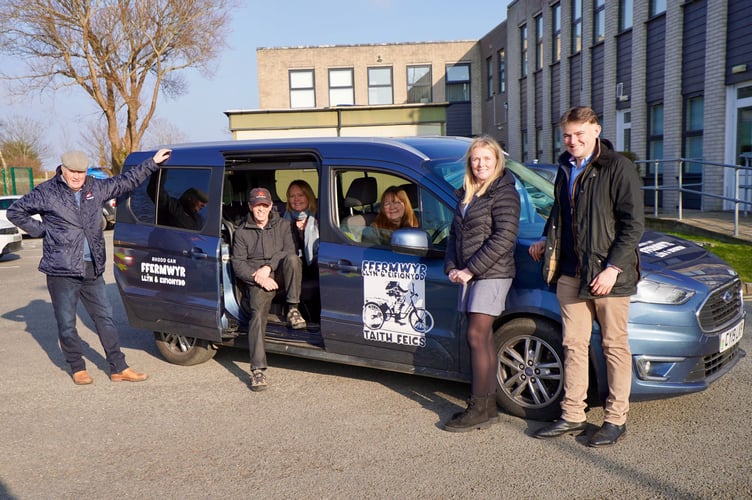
point(395, 212)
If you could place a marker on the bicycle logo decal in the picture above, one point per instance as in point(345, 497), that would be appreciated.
point(394, 309)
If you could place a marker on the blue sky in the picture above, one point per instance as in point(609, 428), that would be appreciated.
point(199, 114)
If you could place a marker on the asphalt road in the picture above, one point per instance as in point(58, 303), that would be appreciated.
point(321, 430)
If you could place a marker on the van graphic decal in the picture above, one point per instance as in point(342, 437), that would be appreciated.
point(394, 307)
point(163, 271)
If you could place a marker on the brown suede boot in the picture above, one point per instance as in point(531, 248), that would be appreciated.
point(475, 416)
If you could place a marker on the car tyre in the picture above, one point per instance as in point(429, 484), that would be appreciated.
point(185, 351)
point(531, 368)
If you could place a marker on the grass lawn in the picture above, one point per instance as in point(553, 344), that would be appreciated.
point(737, 255)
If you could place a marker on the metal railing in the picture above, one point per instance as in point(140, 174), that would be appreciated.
point(681, 187)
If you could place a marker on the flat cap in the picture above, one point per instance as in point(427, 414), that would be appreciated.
point(76, 161)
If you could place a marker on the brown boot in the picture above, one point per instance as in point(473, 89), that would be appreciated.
point(128, 375)
point(475, 416)
point(82, 377)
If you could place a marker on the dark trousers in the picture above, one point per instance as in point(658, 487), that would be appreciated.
point(260, 301)
point(65, 293)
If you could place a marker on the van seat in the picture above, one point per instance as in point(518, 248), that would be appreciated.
point(361, 195)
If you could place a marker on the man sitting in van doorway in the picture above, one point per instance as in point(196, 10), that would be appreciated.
point(263, 250)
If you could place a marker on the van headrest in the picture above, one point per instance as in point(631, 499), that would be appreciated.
point(362, 191)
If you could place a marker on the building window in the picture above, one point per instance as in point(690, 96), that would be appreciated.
point(599, 20)
point(302, 93)
point(626, 11)
point(502, 71)
point(458, 83)
point(523, 50)
point(576, 26)
point(489, 77)
point(693, 127)
point(539, 144)
point(556, 35)
point(655, 134)
point(380, 86)
point(523, 143)
point(657, 7)
point(557, 143)
point(341, 90)
point(419, 84)
point(538, 43)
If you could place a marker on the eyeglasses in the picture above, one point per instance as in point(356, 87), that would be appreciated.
point(393, 203)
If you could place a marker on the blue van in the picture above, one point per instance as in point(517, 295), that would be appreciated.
point(686, 319)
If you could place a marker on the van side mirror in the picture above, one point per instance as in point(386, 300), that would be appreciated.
point(411, 241)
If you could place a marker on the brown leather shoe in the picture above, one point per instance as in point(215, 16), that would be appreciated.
point(82, 377)
point(128, 375)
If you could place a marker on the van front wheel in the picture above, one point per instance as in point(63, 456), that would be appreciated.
point(531, 366)
point(181, 350)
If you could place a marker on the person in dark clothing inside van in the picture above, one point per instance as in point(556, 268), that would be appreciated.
point(180, 212)
point(74, 253)
point(263, 252)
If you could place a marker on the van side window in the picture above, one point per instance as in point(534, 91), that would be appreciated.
point(180, 196)
point(360, 194)
point(359, 198)
point(435, 218)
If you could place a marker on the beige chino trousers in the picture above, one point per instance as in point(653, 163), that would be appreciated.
point(577, 317)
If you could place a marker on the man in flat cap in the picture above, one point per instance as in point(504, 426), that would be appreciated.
point(263, 255)
point(74, 252)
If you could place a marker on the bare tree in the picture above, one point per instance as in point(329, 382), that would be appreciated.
point(122, 53)
point(163, 132)
point(22, 143)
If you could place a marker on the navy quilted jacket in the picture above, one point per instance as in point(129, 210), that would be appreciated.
point(65, 224)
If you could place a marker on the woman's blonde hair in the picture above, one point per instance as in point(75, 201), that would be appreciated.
point(307, 191)
point(470, 185)
point(408, 218)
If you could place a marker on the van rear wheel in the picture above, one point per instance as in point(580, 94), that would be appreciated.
point(185, 351)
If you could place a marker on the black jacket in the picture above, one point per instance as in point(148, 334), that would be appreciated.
point(255, 247)
point(485, 238)
point(608, 221)
point(65, 224)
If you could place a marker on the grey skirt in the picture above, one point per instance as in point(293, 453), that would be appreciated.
point(484, 296)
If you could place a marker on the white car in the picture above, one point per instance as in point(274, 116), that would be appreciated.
point(7, 201)
point(10, 238)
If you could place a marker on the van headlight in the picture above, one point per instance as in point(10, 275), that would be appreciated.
point(655, 292)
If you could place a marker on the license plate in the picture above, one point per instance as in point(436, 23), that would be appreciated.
point(732, 336)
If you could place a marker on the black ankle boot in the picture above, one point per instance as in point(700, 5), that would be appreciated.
point(475, 416)
point(491, 409)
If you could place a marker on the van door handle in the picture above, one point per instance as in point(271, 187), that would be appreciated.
point(344, 265)
point(195, 253)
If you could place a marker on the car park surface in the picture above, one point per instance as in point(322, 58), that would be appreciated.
point(321, 430)
point(686, 321)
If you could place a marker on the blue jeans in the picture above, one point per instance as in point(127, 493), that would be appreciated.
point(65, 293)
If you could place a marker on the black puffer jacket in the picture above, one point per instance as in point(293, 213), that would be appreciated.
point(484, 239)
point(609, 218)
point(65, 224)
